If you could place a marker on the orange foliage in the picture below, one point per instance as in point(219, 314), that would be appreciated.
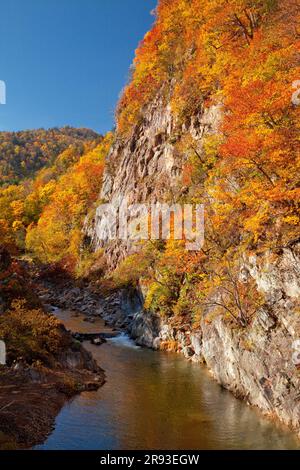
point(57, 235)
point(244, 56)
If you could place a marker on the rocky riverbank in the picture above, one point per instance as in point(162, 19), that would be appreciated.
point(45, 366)
point(31, 396)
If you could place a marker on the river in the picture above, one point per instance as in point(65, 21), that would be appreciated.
point(157, 400)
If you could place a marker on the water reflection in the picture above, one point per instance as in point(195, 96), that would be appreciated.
point(156, 400)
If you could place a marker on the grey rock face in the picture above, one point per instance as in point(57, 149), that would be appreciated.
point(145, 169)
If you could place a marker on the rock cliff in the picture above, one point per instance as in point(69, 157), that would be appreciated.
point(146, 168)
point(255, 363)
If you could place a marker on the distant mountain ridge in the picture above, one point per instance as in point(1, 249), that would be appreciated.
point(23, 153)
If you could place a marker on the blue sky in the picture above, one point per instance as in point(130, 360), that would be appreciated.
point(65, 62)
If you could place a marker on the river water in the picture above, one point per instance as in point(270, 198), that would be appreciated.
point(157, 400)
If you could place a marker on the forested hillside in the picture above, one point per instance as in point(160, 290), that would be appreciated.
point(25, 152)
point(243, 56)
point(45, 214)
